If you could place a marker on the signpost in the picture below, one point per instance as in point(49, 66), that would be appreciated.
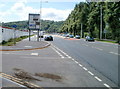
point(14, 26)
point(34, 24)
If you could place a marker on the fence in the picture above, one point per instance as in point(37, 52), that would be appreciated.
point(8, 33)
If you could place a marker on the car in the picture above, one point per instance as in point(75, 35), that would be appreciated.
point(48, 38)
point(67, 35)
point(77, 37)
point(89, 38)
point(71, 36)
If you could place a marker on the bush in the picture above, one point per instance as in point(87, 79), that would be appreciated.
point(4, 42)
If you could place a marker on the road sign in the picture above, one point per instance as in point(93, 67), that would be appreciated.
point(14, 26)
point(34, 21)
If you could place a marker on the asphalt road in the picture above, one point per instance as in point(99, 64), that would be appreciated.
point(103, 57)
point(72, 60)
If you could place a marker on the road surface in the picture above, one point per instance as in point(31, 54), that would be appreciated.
point(76, 62)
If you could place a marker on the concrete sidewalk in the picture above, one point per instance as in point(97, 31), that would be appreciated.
point(26, 45)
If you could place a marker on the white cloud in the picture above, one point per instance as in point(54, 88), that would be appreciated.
point(19, 11)
point(43, 0)
point(55, 14)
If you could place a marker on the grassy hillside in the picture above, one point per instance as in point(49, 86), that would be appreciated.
point(47, 25)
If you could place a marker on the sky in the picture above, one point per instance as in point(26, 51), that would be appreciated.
point(18, 10)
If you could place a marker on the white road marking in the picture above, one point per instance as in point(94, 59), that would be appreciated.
point(85, 68)
point(58, 53)
point(76, 62)
point(97, 78)
point(84, 44)
point(114, 53)
point(90, 73)
point(62, 52)
point(80, 65)
point(73, 59)
point(106, 85)
point(28, 46)
point(34, 54)
point(99, 48)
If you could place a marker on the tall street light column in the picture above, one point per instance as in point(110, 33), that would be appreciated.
point(100, 21)
point(41, 15)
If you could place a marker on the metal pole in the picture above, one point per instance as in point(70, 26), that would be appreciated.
point(40, 17)
point(29, 34)
point(101, 22)
point(81, 30)
point(14, 36)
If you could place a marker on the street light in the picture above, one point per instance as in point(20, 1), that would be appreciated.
point(41, 15)
point(101, 22)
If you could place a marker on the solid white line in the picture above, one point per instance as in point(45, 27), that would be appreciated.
point(85, 68)
point(97, 78)
point(62, 52)
point(90, 73)
point(106, 85)
point(58, 53)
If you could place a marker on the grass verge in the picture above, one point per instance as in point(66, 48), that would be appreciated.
point(10, 42)
point(106, 41)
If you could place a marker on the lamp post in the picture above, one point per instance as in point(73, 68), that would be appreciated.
point(100, 21)
point(41, 15)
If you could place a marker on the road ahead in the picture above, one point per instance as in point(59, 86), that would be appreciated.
point(76, 63)
point(103, 57)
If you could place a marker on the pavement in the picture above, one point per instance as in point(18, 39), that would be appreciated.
point(26, 45)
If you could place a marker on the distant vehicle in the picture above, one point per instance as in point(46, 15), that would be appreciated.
point(41, 34)
point(66, 35)
point(71, 36)
point(48, 38)
point(88, 38)
point(77, 37)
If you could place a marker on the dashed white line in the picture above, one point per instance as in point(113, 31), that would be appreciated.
point(85, 68)
point(106, 85)
point(90, 73)
point(76, 62)
point(98, 78)
point(80, 65)
point(73, 59)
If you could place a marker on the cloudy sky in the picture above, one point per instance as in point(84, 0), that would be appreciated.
point(18, 10)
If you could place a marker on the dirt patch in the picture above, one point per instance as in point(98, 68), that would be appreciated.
point(50, 76)
point(21, 74)
point(16, 69)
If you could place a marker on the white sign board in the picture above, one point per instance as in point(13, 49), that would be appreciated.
point(34, 21)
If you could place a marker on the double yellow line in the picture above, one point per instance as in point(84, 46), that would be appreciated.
point(20, 81)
